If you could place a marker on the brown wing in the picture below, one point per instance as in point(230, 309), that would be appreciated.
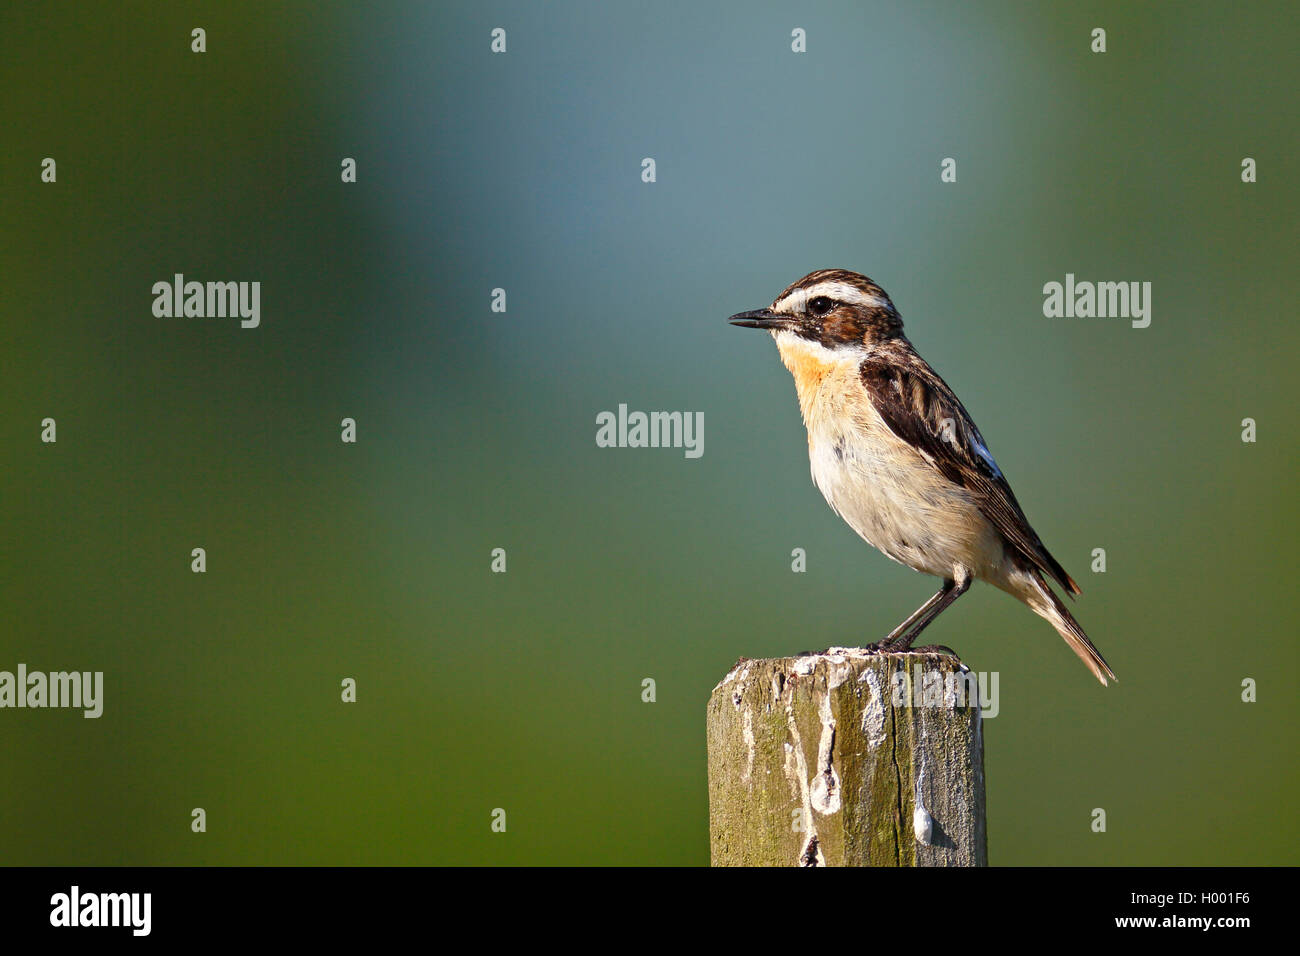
point(920, 408)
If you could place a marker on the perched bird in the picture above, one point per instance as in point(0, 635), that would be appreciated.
point(898, 458)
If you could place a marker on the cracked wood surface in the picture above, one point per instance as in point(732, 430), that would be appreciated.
point(847, 758)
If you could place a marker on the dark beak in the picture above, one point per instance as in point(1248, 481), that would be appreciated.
point(762, 319)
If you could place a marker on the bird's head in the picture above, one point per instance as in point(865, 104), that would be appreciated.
point(840, 311)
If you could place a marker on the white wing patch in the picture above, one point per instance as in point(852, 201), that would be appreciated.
point(985, 454)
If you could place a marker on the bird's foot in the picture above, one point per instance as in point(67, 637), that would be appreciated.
point(885, 647)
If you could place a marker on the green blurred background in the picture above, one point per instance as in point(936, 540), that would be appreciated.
point(476, 430)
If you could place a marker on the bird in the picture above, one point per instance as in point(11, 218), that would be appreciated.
point(897, 456)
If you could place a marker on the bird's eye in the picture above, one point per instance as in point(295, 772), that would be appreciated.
point(820, 305)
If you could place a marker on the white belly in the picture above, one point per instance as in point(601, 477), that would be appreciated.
point(875, 481)
point(898, 502)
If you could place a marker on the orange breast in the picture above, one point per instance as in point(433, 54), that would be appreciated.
point(807, 366)
point(823, 381)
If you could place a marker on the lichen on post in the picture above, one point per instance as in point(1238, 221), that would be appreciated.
point(847, 758)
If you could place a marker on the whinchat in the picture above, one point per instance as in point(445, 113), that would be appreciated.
point(896, 455)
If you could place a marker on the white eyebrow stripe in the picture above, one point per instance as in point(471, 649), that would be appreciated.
point(797, 300)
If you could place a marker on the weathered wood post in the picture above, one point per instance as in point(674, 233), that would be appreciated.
point(847, 758)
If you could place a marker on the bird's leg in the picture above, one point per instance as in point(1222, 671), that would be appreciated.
point(915, 616)
point(932, 608)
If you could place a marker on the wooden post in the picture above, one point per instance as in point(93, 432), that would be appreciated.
point(847, 758)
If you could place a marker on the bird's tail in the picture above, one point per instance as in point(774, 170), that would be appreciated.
point(1045, 603)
